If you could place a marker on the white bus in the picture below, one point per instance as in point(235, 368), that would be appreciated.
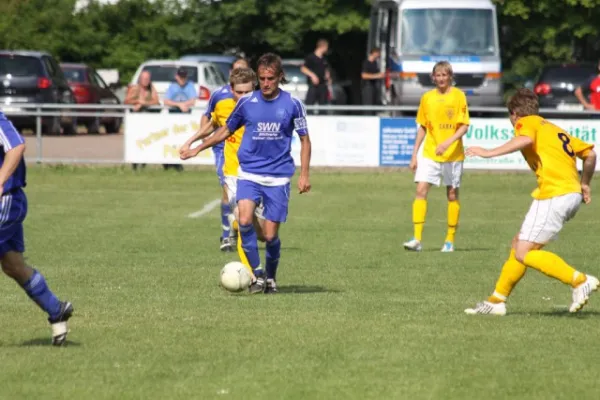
point(414, 34)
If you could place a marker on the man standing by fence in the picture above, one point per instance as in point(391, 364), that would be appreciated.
point(316, 69)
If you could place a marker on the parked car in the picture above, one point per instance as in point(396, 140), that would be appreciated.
point(34, 77)
point(89, 88)
point(222, 61)
point(205, 74)
point(556, 84)
point(298, 86)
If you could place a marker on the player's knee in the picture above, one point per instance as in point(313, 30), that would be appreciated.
point(11, 268)
point(270, 236)
point(452, 194)
point(520, 254)
point(244, 219)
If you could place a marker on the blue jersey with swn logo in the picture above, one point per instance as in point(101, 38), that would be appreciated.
point(9, 139)
point(267, 141)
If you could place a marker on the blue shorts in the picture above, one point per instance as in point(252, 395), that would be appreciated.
point(275, 199)
point(13, 209)
point(219, 162)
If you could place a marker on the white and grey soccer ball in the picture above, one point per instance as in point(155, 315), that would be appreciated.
point(235, 277)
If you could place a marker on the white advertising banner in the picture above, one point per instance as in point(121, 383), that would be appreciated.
point(336, 141)
point(490, 133)
point(156, 138)
point(342, 141)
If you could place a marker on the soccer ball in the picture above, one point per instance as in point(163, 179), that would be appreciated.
point(235, 277)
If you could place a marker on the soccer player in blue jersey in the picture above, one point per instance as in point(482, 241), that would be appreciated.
point(270, 116)
point(227, 236)
point(13, 209)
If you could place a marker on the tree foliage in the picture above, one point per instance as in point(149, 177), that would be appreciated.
point(124, 34)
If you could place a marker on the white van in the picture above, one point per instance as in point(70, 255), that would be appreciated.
point(414, 34)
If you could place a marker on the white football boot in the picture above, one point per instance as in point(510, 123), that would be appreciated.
point(448, 247)
point(413, 245)
point(582, 293)
point(487, 308)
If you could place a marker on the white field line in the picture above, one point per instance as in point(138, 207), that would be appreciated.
point(208, 207)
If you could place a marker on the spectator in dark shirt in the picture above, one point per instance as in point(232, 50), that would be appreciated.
point(591, 89)
point(372, 79)
point(316, 70)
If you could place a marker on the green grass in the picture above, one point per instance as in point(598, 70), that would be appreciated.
point(358, 318)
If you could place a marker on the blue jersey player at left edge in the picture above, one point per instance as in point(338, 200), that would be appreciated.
point(13, 210)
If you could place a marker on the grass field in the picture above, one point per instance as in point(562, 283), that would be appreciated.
point(358, 318)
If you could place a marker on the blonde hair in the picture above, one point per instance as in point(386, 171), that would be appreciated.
point(242, 75)
point(445, 65)
point(523, 103)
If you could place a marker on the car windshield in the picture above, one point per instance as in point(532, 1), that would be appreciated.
point(74, 74)
point(20, 66)
point(224, 68)
point(572, 74)
point(293, 74)
point(166, 73)
point(448, 32)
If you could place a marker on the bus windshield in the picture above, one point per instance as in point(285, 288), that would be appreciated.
point(448, 32)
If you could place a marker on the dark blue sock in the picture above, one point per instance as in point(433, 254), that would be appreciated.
point(272, 257)
point(225, 211)
point(37, 289)
point(250, 247)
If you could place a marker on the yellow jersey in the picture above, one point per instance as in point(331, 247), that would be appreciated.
point(441, 115)
point(223, 108)
point(552, 156)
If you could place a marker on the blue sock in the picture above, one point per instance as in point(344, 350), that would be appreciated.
point(250, 247)
point(37, 289)
point(225, 211)
point(272, 257)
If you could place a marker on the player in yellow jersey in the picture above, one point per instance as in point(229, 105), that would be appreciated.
point(242, 82)
point(222, 93)
point(443, 119)
point(551, 153)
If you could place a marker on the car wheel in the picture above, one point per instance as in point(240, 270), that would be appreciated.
point(94, 126)
point(70, 129)
point(114, 126)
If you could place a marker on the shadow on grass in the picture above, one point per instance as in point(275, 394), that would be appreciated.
point(305, 289)
point(46, 342)
point(459, 250)
point(560, 313)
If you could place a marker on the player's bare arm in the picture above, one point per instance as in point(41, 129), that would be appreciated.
point(305, 152)
point(11, 162)
point(460, 132)
point(421, 132)
point(583, 100)
point(202, 133)
point(217, 137)
point(515, 144)
point(310, 74)
point(589, 166)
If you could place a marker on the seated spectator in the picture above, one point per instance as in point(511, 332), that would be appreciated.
point(180, 97)
point(142, 96)
point(181, 94)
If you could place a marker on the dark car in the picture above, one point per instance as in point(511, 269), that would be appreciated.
point(90, 88)
point(556, 84)
point(33, 77)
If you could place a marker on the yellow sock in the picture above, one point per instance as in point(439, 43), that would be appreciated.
point(235, 226)
point(453, 214)
point(419, 212)
point(241, 253)
point(511, 274)
point(554, 266)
